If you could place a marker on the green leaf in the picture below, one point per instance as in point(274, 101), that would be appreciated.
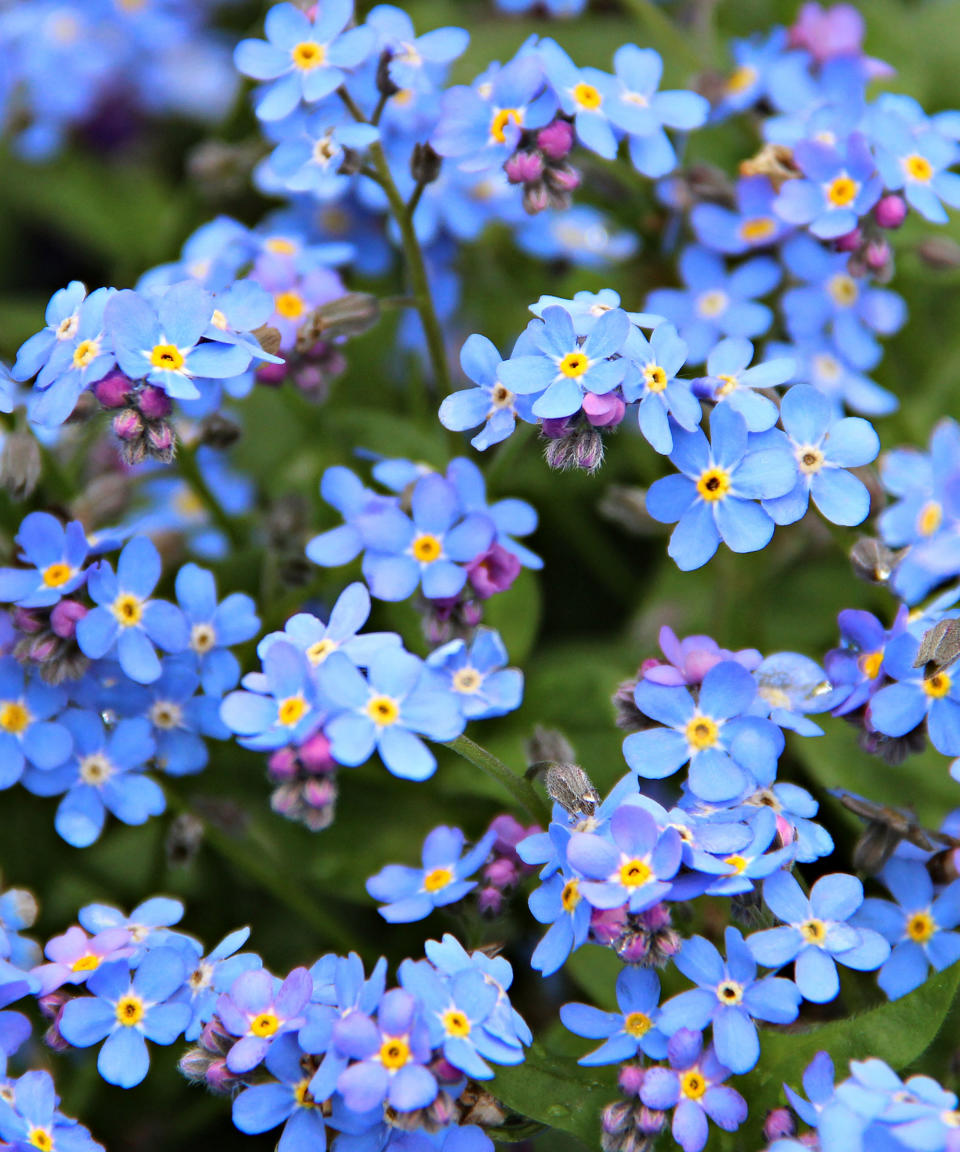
point(556, 1091)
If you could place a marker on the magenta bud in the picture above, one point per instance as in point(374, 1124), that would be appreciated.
point(650, 662)
point(445, 1072)
point(53, 1038)
point(51, 1005)
point(282, 765)
point(650, 1121)
point(877, 255)
point(555, 427)
point(635, 950)
point(319, 793)
point(657, 917)
point(490, 901)
point(127, 425)
point(890, 211)
point(607, 924)
point(565, 179)
point(509, 832)
point(501, 873)
point(315, 754)
point(778, 1124)
point(631, 1079)
point(536, 198)
point(219, 1078)
point(785, 832)
point(113, 390)
point(524, 168)
point(273, 375)
point(604, 411)
point(472, 614)
point(64, 618)
point(556, 140)
point(493, 571)
point(24, 620)
point(849, 242)
point(161, 438)
point(153, 402)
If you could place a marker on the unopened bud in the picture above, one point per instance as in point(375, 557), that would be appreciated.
point(630, 1079)
point(890, 211)
point(128, 425)
point(563, 180)
point(849, 241)
point(425, 164)
point(162, 442)
point(524, 167)
point(604, 411)
point(20, 465)
point(581, 450)
point(65, 616)
point(547, 744)
point(493, 571)
point(779, 1124)
point(113, 391)
point(269, 339)
point(314, 754)
point(536, 198)
point(877, 255)
point(282, 765)
point(939, 252)
point(502, 873)
point(555, 141)
point(872, 560)
point(154, 403)
point(348, 315)
point(386, 86)
point(490, 901)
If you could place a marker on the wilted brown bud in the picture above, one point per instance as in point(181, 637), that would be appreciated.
point(939, 252)
point(20, 465)
point(268, 338)
point(872, 560)
point(775, 161)
point(350, 315)
point(547, 744)
point(939, 647)
point(425, 164)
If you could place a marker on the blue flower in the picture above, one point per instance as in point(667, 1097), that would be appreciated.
point(753, 225)
point(726, 748)
point(840, 185)
point(730, 381)
point(715, 497)
point(416, 64)
point(817, 936)
point(821, 364)
point(858, 664)
point(633, 1030)
point(56, 555)
point(584, 94)
point(285, 1100)
point(918, 927)
point(824, 448)
point(128, 1014)
point(259, 1009)
point(240, 309)
point(310, 160)
point(716, 303)
point(63, 320)
point(729, 996)
point(412, 893)
point(789, 686)
point(280, 706)
point(559, 903)
point(306, 59)
point(564, 367)
point(491, 403)
point(30, 1119)
point(900, 707)
point(28, 735)
point(752, 860)
point(651, 378)
point(126, 620)
point(915, 158)
point(180, 718)
point(511, 517)
point(146, 923)
point(398, 702)
point(214, 627)
point(757, 61)
point(211, 975)
point(478, 675)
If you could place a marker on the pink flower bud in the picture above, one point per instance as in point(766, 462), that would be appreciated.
point(555, 427)
point(606, 925)
point(315, 754)
point(556, 140)
point(565, 179)
point(25, 620)
point(891, 211)
point(524, 168)
point(493, 571)
point(657, 917)
point(273, 375)
point(778, 1124)
point(161, 438)
point(127, 425)
point(509, 832)
point(631, 1079)
point(282, 764)
point(501, 873)
point(604, 411)
point(64, 617)
point(319, 793)
point(877, 255)
point(153, 402)
point(849, 241)
point(113, 390)
point(490, 901)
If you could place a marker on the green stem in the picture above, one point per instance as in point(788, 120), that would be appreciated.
point(519, 788)
point(190, 471)
point(412, 253)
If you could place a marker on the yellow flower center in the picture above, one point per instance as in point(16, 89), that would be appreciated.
point(814, 931)
point(265, 1024)
point(918, 168)
point(426, 548)
point(713, 484)
point(280, 246)
point(570, 896)
point(741, 78)
point(301, 1093)
point(810, 459)
point(130, 1010)
point(290, 305)
point(843, 290)
point(68, 327)
point(501, 397)
point(635, 873)
point(736, 863)
point(702, 732)
point(693, 1085)
point(308, 54)
point(128, 609)
point(729, 384)
point(40, 1138)
point(502, 117)
point(655, 378)
point(574, 364)
point(712, 303)
point(85, 353)
point(95, 769)
point(455, 1023)
point(437, 878)
point(394, 1053)
point(921, 926)
point(291, 710)
point(937, 686)
point(167, 357)
point(88, 963)
point(383, 710)
point(930, 518)
point(202, 637)
point(729, 992)
point(56, 575)
point(320, 650)
point(637, 1024)
point(841, 191)
point(14, 717)
point(870, 664)
point(467, 680)
point(166, 715)
point(757, 228)
point(587, 96)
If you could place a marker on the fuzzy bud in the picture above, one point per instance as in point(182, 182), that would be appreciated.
point(555, 141)
point(581, 450)
point(877, 256)
point(154, 403)
point(162, 442)
point(562, 181)
point(524, 168)
point(128, 425)
point(779, 1124)
point(890, 211)
point(315, 756)
point(502, 873)
point(20, 465)
point(65, 616)
point(113, 391)
point(872, 560)
point(490, 901)
point(630, 1079)
point(282, 765)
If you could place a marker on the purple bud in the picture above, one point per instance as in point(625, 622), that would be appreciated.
point(556, 140)
point(779, 1123)
point(555, 428)
point(877, 255)
point(650, 1121)
point(657, 917)
point(493, 571)
point(64, 618)
point(536, 198)
point(51, 1005)
point(604, 411)
point(501, 873)
point(153, 402)
point(524, 168)
point(25, 620)
point(445, 1072)
point(472, 614)
point(636, 948)
point(113, 390)
point(127, 425)
point(161, 438)
point(220, 1079)
point(282, 764)
point(319, 793)
point(890, 211)
point(607, 924)
point(849, 242)
point(273, 375)
point(631, 1079)
point(315, 754)
point(490, 901)
point(509, 832)
point(564, 179)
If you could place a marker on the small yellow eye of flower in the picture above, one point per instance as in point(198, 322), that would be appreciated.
point(383, 711)
point(14, 717)
point(655, 378)
point(291, 710)
point(570, 896)
point(130, 1010)
point(587, 96)
point(426, 548)
point(455, 1023)
point(635, 873)
point(467, 680)
point(88, 963)
point(265, 1024)
point(167, 357)
point(202, 637)
point(501, 397)
point(128, 610)
point(505, 116)
point(937, 686)
point(921, 926)
point(41, 1138)
point(320, 650)
point(918, 168)
point(637, 1024)
point(870, 664)
point(729, 992)
point(693, 1085)
point(68, 327)
point(712, 303)
point(301, 1093)
point(810, 459)
point(574, 364)
point(56, 575)
point(280, 246)
point(394, 1053)
point(166, 715)
point(289, 305)
point(843, 290)
point(741, 78)
point(95, 769)
point(218, 320)
point(729, 384)
point(85, 353)
point(702, 732)
point(736, 863)
point(841, 191)
point(930, 518)
point(308, 54)
point(713, 484)
point(437, 878)
point(758, 228)
point(813, 931)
